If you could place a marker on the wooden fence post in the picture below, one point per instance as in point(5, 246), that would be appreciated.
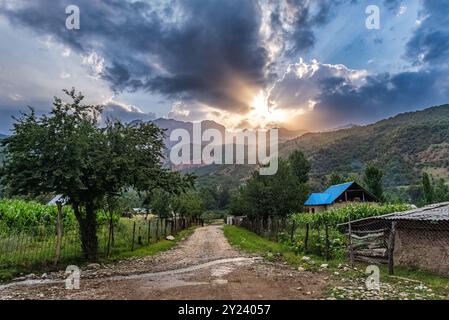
point(58, 233)
point(391, 248)
point(327, 242)
point(293, 231)
point(157, 229)
point(111, 226)
point(134, 234)
point(139, 236)
point(306, 239)
point(351, 249)
point(319, 240)
point(149, 231)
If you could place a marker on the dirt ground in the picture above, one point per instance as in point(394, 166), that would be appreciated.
point(203, 266)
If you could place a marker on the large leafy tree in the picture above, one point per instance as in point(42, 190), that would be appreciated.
point(67, 152)
point(373, 181)
point(428, 190)
point(300, 166)
point(335, 179)
point(276, 195)
point(188, 204)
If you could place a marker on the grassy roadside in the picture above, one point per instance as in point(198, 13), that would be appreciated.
point(250, 242)
point(407, 283)
point(8, 274)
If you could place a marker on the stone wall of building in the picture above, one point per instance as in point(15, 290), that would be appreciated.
point(423, 249)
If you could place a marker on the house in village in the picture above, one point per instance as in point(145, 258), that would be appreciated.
point(338, 196)
point(416, 238)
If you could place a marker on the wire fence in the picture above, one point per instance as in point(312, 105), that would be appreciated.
point(421, 243)
point(322, 240)
point(38, 245)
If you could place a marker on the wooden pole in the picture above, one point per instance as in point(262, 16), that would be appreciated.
point(149, 231)
point(306, 240)
point(58, 233)
point(319, 240)
point(292, 231)
point(351, 249)
point(327, 244)
point(391, 241)
point(110, 233)
point(134, 234)
point(139, 236)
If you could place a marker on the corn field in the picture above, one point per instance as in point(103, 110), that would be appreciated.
point(37, 244)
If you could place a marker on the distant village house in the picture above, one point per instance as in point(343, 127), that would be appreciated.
point(339, 196)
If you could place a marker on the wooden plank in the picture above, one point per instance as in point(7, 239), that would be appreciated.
point(391, 248)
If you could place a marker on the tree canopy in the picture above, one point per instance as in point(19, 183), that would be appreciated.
point(68, 152)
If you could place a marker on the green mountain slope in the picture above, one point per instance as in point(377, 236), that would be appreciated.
point(403, 146)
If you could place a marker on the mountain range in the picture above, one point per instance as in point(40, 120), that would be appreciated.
point(403, 146)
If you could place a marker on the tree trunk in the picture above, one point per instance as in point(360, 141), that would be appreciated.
point(88, 231)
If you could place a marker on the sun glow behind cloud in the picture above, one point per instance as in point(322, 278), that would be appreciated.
point(263, 113)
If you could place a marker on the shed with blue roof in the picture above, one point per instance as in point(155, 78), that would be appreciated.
point(338, 196)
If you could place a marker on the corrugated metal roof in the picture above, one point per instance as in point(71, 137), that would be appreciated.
point(328, 196)
point(434, 212)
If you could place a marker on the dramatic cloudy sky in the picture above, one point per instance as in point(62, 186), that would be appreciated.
point(308, 64)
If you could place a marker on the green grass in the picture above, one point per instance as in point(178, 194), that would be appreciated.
point(250, 242)
point(10, 272)
point(438, 283)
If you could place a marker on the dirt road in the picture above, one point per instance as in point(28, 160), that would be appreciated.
point(203, 266)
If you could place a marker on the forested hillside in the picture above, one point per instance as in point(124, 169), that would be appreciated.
point(403, 146)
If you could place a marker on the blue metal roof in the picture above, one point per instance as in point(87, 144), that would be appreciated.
point(328, 196)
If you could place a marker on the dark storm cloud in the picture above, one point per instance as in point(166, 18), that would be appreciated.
point(190, 50)
point(382, 95)
point(195, 51)
point(430, 42)
point(343, 96)
point(304, 17)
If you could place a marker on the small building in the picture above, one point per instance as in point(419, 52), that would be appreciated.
point(338, 196)
point(234, 220)
point(57, 199)
point(416, 238)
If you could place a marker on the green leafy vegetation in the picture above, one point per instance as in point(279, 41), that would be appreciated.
point(250, 242)
point(279, 195)
point(353, 212)
point(68, 153)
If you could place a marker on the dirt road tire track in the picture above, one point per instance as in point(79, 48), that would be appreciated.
point(203, 266)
